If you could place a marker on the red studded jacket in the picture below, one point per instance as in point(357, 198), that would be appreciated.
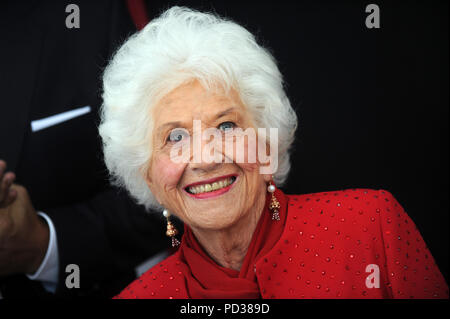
point(356, 243)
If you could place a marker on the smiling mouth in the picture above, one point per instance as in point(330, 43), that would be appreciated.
point(211, 187)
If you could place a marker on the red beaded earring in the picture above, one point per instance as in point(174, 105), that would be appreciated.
point(274, 205)
point(171, 230)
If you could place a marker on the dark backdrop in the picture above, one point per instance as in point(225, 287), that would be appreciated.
point(372, 103)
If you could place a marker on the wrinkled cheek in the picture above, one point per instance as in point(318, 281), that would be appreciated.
point(165, 175)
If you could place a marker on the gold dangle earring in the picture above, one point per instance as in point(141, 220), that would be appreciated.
point(171, 230)
point(274, 205)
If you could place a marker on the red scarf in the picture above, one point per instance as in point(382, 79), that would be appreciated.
point(205, 279)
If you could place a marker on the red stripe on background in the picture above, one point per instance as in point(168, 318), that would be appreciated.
point(138, 13)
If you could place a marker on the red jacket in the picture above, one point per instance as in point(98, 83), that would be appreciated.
point(355, 243)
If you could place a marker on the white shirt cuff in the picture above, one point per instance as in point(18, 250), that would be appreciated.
point(48, 271)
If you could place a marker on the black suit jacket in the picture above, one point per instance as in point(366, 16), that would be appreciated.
point(47, 69)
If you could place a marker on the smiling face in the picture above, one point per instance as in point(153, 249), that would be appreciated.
point(204, 195)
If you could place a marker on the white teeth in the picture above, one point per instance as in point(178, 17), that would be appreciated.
point(210, 187)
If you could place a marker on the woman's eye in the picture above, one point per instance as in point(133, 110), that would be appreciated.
point(177, 135)
point(226, 126)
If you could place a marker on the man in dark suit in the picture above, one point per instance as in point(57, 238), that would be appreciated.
point(50, 84)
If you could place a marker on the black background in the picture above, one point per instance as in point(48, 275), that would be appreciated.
point(372, 103)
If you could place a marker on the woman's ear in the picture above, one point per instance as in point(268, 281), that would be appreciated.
point(146, 173)
point(267, 159)
point(267, 177)
point(149, 182)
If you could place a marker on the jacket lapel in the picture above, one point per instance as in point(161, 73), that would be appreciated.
point(19, 64)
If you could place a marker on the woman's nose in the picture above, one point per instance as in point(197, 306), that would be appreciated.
point(203, 167)
point(207, 149)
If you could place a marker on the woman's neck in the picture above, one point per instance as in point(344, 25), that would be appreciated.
point(228, 247)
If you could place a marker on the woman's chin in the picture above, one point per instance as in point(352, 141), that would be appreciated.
point(216, 220)
point(214, 212)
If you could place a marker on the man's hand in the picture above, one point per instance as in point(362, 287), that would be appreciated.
point(24, 235)
point(7, 195)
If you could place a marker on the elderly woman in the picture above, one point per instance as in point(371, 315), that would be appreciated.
point(188, 72)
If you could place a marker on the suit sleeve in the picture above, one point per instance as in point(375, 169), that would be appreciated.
point(107, 237)
point(412, 270)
